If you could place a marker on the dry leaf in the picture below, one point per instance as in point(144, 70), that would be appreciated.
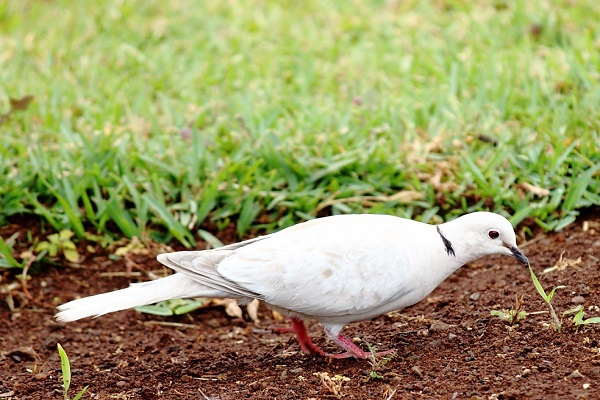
point(16, 105)
point(20, 104)
point(406, 196)
point(536, 190)
point(563, 263)
point(252, 309)
point(135, 246)
point(231, 306)
point(334, 385)
point(277, 316)
point(233, 309)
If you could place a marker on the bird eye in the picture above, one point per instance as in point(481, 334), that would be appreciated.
point(493, 234)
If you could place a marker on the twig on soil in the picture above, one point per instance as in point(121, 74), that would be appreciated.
point(30, 261)
point(119, 274)
point(530, 242)
point(172, 324)
point(391, 392)
point(205, 396)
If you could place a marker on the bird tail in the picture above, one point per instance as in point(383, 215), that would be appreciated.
point(138, 294)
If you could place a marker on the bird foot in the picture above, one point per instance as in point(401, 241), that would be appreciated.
point(281, 329)
point(306, 344)
point(353, 350)
point(308, 347)
point(360, 354)
point(304, 341)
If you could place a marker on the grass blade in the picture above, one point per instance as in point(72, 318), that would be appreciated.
point(7, 261)
point(209, 238)
point(175, 228)
point(594, 320)
point(81, 393)
point(65, 366)
point(121, 217)
point(478, 176)
point(578, 187)
point(538, 285)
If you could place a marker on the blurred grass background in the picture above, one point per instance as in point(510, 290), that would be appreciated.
point(151, 118)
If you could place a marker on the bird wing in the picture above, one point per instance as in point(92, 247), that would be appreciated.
point(343, 265)
point(201, 266)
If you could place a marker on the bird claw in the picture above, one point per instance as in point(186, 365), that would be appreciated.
point(360, 354)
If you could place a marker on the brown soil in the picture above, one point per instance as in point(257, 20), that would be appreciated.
point(448, 345)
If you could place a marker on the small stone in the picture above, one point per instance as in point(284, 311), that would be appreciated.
point(438, 326)
point(186, 378)
point(283, 375)
point(117, 338)
point(41, 376)
point(452, 336)
point(297, 371)
point(576, 374)
point(213, 323)
point(577, 300)
point(475, 296)
point(417, 371)
point(470, 357)
point(121, 384)
point(435, 343)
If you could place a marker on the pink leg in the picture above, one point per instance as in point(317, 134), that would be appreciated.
point(299, 329)
point(281, 329)
point(305, 343)
point(352, 350)
point(309, 347)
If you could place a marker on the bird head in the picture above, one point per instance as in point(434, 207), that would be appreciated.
point(487, 233)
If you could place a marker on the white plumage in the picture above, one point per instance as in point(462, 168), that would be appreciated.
point(336, 270)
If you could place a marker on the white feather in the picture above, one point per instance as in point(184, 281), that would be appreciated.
point(172, 287)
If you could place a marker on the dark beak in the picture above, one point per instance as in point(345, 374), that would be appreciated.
point(517, 253)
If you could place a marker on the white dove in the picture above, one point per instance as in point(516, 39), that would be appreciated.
point(335, 270)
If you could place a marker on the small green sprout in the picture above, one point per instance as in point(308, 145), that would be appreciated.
point(65, 366)
point(60, 243)
point(578, 317)
point(556, 322)
point(512, 315)
point(376, 363)
point(6, 258)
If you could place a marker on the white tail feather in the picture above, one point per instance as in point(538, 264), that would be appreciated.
point(138, 294)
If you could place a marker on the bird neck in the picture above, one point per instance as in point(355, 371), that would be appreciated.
point(459, 244)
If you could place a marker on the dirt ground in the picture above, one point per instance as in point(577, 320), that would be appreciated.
point(448, 346)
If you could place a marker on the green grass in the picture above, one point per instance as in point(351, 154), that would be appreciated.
point(151, 117)
point(65, 366)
